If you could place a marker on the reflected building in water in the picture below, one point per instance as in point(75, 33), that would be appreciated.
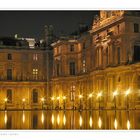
point(70, 120)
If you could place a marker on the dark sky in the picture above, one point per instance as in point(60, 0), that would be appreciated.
point(31, 23)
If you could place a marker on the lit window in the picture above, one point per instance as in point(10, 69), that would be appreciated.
point(9, 96)
point(72, 93)
point(35, 74)
point(84, 66)
point(35, 57)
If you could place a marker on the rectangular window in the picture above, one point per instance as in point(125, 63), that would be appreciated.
point(9, 74)
point(72, 48)
point(35, 57)
point(72, 68)
point(35, 74)
point(58, 69)
point(9, 96)
point(136, 27)
point(9, 56)
point(35, 97)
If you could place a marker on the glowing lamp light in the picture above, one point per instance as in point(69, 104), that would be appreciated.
point(58, 98)
point(58, 119)
point(64, 120)
point(80, 121)
point(42, 99)
point(115, 93)
point(99, 94)
point(5, 99)
point(23, 100)
point(52, 119)
point(127, 92)
point(90, 95)
point(64, 97)
point(90, 121)
point(52, 98)
point(80, 96)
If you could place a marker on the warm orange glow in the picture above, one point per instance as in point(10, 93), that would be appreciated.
point(42, 99)
point(90, 121)
point(64, 119)
point(99, 122)
point(52, 98)
point(23, 100)
point(42, 117)
point(127, 92)
point(99, 95)
point(64, 97)
point(58, 98)
point(90, 95)
point(23, 117)
point(5, 99)
point(128, 124)
point(58, 119)
point(5, 117)
point(52, 119)
point(80, 121)
point(80, 96)
point(115, 93)
point(115, 124)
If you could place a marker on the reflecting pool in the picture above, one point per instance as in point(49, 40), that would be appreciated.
point(95, 119)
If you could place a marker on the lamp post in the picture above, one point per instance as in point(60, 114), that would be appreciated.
point(127, 98)
point(52, 98)
point(5, 100)
point(64, 100)
point(23, 102)
point(90, 100)
point(115, 93)
point(42, 100)
point(80, 97)
point(99, 97)
point(58, 98)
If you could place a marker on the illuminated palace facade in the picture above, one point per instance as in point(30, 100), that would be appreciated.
point(101, 67)
point(98, 68)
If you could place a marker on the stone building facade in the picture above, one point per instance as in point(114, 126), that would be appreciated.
point(101, 67)
point(96, 69)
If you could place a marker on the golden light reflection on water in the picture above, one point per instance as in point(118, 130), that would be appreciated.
point(23, 117)
point(80, 121)
point(42, 117)
point(52, 119)
point(58, 119)
point(5, 117)
point(99, 122)
point(90, 121)
point(64, 119)
point(128, 124)
point(115, 124)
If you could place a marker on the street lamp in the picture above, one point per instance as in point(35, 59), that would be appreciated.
point(5, 100)
point(52, 98)
point(99, 97)
point(42, 100)
point(80, 97)
point(64, 99)
point(23, 102)
point(127, 94)
point(90, 99)
point(58, 98)
point(115, 93)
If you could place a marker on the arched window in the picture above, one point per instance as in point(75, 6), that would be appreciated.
point(35, 96)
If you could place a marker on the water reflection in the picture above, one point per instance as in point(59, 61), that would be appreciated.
point(64, 119)
point(23, 117)
point(95, 119)
point(5, 117)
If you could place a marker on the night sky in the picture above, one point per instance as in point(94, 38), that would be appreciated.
point(31, 23)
